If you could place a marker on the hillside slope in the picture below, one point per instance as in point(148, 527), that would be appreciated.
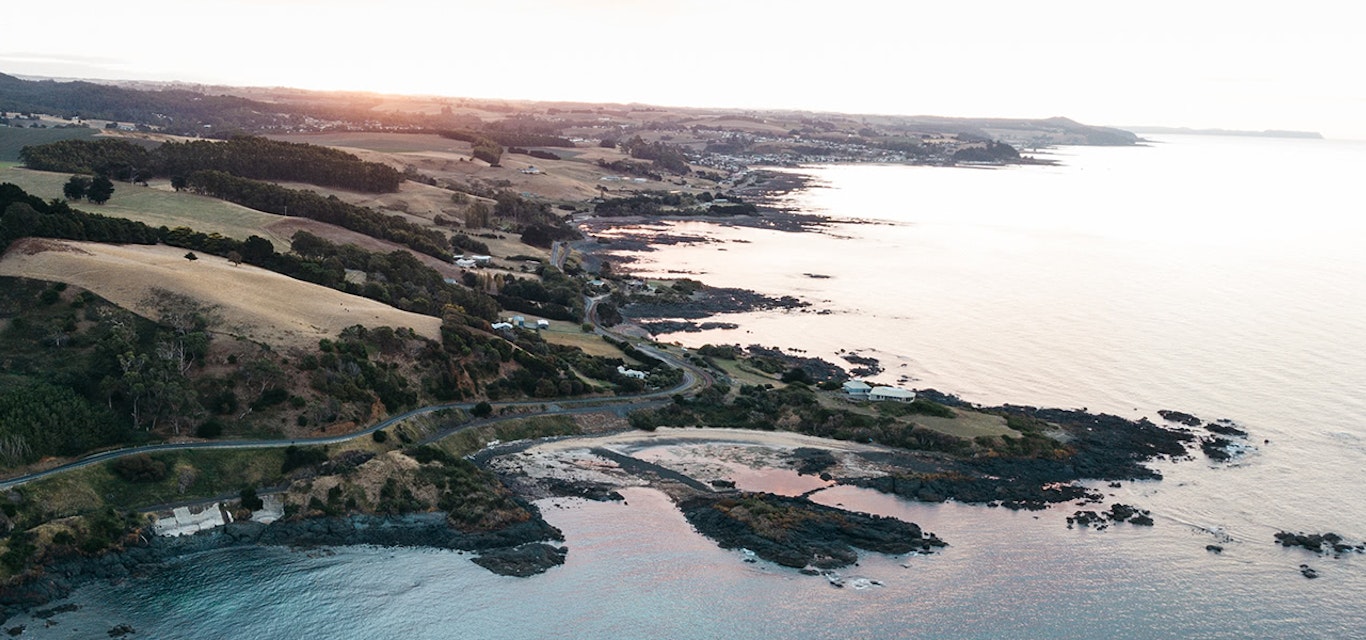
point(252, 302)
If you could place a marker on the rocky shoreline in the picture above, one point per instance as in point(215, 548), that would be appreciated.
point(520, 549)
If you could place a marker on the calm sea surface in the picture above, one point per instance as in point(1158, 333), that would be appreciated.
point(1220, 276)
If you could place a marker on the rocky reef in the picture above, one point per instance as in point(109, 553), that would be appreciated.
point(795, 532)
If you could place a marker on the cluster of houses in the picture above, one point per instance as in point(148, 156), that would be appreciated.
point(860, 390)
point(520, 323)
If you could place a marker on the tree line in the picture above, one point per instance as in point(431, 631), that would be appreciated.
point(176, 111)
point(23, 215)
point(663, 155)
point(272, 198)
point(243, 156)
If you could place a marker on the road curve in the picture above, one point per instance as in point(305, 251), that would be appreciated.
point(694, 378)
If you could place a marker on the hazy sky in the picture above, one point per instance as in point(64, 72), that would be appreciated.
point(1246, 65)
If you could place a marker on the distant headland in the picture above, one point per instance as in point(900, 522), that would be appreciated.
point(1266, 133)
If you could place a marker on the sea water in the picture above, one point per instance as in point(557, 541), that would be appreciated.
point(1219, 276)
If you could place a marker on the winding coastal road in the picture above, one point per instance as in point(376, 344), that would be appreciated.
point(694, 379)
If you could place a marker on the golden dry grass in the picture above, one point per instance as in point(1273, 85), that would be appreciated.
point(252, 302)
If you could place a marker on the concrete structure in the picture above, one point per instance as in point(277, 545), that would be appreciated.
point(857, 389)
point(893, 394)
point(184, 522)
point(630, 373)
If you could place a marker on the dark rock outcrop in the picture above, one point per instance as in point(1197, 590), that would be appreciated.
point(1321, 543)
point(1179, 417)
point(811, 461)
point(1118, 513)
point(795, 532)
point(523, 561)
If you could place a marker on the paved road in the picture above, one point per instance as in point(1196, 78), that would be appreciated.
point(693, 379)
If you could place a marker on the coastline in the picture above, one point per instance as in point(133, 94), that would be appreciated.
point(521, 549)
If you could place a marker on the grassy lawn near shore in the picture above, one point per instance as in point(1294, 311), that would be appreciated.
point(188, 475)
point(471, 440)
point(744, 374)
point(968, 424)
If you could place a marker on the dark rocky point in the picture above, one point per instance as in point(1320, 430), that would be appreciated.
point(523, 561)
point(798, 533)
point(1180, 417)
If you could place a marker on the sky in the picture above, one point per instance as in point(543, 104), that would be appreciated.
point(1234, 65)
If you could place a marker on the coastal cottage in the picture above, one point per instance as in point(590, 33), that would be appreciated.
point(893, 394)
point(857, 389)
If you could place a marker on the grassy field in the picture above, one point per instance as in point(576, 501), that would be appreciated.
point(190, 475)
point(13, 139)
point(968, 424)
point(158, 206)
point(569, 334)
point(382, 142)
point(264, 305)
point(744, 374)
point(471, 440)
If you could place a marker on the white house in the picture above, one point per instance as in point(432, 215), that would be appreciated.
point(857, 389)
point(542, 324)
point(630, 373)
point(499, 326)
point(890, 394)
point(465, 263)
point(519, 321)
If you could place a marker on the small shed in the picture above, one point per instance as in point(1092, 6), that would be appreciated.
point(542, 324)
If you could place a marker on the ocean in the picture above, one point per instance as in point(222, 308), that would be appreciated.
point(1219, 276)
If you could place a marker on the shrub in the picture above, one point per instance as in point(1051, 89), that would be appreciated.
point(482, 410)
point(250, 500)
point(209, 429)
point(380, 436)
point(930, 408)
point(797, 374)
point(139, 468)
point(296, 457)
